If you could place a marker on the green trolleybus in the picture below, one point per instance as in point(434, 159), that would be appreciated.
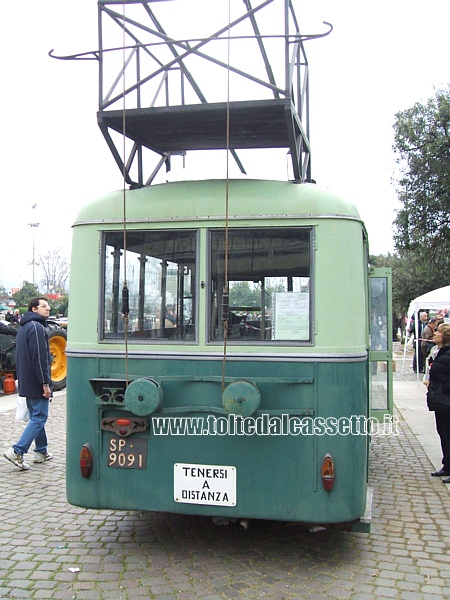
point(226, 346)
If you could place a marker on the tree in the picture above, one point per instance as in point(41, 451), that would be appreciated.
point(60, 306)
point(27, 292)
point(241, 294)
point(56, 270)
point(408, 277)
point(422, 226)
point(247, 295)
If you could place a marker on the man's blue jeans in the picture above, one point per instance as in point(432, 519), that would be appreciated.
point(35, 430)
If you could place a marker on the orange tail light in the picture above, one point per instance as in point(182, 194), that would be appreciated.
point(328, 474)
point(86, 461)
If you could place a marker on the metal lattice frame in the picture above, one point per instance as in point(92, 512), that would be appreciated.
point(153, 90)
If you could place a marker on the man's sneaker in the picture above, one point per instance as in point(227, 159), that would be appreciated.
point(16, 459)
point(39, 457)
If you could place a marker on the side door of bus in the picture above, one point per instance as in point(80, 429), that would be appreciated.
point(380, 352)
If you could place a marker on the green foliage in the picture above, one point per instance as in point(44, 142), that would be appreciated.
point(241, 294)
point(60, 307)
point(409, 278)
point(422, 143)
point(30, 291)
point(422, 232)
point(247, 295)
point(25, 294)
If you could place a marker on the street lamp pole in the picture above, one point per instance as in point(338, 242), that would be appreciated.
point(34, 226)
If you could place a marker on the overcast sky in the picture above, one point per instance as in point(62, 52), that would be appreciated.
point(381, 58)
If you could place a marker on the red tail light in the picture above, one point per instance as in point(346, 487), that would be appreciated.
point(86, 461)
point(328, 473)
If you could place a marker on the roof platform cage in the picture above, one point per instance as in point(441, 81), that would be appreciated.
point(189, 75)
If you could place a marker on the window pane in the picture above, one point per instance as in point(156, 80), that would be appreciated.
point(160, 268)
point(379, 384)
point(268, 271)
point(378, 313)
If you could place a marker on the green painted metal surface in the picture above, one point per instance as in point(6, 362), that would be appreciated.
point(241, 397)
point(143, 396)
point(278, 475)
point(188, 200)
point(269, 476)
point(340, 261)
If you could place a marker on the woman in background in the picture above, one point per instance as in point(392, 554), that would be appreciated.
point(438, 395)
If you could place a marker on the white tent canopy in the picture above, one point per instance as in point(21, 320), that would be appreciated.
point(434, 300)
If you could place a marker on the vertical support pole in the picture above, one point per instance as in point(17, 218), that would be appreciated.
point(115, 289)
point(142, 260)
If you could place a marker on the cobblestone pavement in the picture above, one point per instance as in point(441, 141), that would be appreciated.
point(49, 549)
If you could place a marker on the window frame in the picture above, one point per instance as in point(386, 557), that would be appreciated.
point(266, 342)
point(102, 338)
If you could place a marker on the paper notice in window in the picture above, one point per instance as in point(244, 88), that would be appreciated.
point(291, 316)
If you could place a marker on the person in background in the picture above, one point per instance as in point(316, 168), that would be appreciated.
point(427, 338)
point(15, 317)
point(418, 358)
point(170, 320)
point(438, 396)
point(8, 315)
point(7, 329)
point(33, 373)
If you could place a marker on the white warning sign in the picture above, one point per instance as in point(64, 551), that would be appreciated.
point(205, 484)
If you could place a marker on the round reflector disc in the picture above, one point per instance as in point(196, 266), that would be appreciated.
point(143, 396)
point(241, 397)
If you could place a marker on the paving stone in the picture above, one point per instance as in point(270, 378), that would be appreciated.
point(129, 555)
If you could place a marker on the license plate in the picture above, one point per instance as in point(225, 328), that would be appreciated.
point(129, 453)
point(205, 484)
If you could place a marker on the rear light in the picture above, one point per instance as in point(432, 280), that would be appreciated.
point(123, 425)
point(328, 473)
point(86, 461)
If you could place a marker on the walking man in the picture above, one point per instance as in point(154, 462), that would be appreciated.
point(33, 373)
